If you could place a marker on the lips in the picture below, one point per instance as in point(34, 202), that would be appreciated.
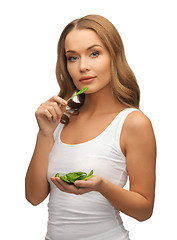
point(86, 78)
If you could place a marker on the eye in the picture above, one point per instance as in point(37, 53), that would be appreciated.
point(72, 58)
point(95, 54)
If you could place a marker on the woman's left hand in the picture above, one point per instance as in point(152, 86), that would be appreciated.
point(92, 184)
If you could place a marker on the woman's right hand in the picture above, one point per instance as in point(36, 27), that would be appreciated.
point(49, 114)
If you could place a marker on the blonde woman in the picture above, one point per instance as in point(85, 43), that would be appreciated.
point(103, 130)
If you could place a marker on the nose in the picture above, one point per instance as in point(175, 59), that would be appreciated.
point(84, 65)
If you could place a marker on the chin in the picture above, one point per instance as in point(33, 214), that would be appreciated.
point(90, 89)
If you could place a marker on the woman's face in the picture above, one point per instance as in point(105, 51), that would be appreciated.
point(88, 60)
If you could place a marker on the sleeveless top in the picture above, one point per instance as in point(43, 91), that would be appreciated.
point(89, 216)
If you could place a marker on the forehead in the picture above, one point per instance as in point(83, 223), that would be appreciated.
point(81, 39)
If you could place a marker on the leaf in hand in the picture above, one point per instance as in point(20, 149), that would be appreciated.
point(73, 176)
point(78, 93)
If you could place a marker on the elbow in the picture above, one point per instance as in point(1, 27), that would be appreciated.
point(143, 218)
point(35, 198)
point(31, 200)
point(145, 215)
point(34, 203)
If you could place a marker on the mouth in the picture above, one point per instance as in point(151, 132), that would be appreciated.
point(86, 79)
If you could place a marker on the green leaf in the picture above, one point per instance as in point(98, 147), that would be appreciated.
point(78, 93)
point(91, 173)
point(70, 178)
point(86, 178)
point(75, 176)
point(64, 178)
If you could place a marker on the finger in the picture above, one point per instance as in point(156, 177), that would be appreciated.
point(63, 108)
point(52, 111)
point(56, 107)
point(43, 112)
point(84, 184)
point(70, 188)
point(46, 113)
point(58, 110)
point(59, 100)
point(65, 187)
point(57, 184)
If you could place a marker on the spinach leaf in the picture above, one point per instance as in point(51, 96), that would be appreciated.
point(73, 176)
point(78, 93)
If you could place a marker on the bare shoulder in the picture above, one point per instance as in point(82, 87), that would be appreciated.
point(137, 121)
point(137, 132)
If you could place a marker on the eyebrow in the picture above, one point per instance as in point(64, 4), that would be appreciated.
point(95, 45)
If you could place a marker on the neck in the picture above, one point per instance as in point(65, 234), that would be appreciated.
point(102, 101)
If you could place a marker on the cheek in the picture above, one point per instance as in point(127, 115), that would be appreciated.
point(105, 69)
point(71, 70)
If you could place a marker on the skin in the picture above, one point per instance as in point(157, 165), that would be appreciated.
point(137, 139)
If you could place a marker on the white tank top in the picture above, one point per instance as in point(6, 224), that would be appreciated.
point(89, 216)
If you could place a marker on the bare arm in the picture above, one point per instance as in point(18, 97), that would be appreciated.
point(138, 143)
point(36, 184)
point(48, 117)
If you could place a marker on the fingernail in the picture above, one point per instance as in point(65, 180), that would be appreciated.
point(64, 103)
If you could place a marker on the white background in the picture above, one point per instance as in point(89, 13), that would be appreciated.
point(29, 35)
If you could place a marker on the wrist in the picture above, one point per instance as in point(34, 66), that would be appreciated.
point(102, 185)
point(42, 134)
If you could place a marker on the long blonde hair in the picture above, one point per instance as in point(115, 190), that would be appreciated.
point(123, 81)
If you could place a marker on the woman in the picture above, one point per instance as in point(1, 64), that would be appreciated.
point(104, 130)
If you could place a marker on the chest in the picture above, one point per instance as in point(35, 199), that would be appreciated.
point(84, 129)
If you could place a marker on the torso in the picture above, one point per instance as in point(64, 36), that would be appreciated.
point(104, 156)
point(82, 128)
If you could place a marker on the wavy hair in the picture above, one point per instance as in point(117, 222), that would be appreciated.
point(123, 82)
